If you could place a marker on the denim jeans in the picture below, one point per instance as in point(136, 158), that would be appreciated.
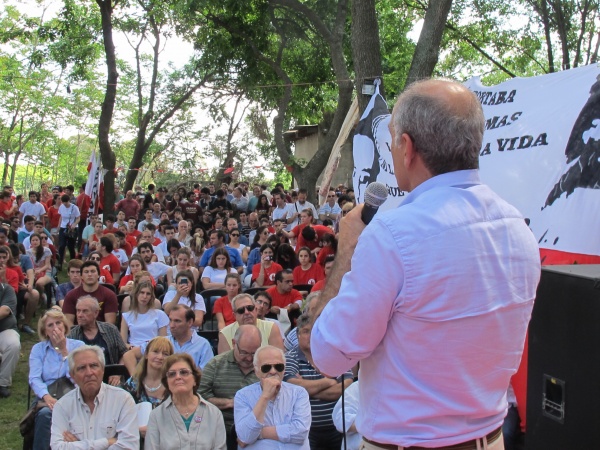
point(41, 431)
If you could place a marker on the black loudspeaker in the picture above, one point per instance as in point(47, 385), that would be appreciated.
point(563, 381)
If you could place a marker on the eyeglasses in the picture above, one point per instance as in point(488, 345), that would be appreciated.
point(93, 258)
point(235, 235)
point(262, 302)
point(330, 196)
point(182, 373)
point(266, 368)
point(242, 309)
point(243, 352)
point(44, 238)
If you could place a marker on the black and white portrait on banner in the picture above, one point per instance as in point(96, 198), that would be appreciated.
point(371, 151)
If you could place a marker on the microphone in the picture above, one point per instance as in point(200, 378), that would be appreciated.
point(375, 195)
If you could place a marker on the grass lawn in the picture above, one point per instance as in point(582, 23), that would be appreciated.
point(13, 408)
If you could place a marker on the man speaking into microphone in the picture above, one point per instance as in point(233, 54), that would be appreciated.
point(433, 297)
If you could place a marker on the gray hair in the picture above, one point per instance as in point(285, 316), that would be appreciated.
point(309, 299)
point(448, 136)
point(95, 304)
point(302, 322)
point(240, 296)
point(85, 348)
point(266, 347)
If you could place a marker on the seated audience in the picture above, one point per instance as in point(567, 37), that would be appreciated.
point(184, 419)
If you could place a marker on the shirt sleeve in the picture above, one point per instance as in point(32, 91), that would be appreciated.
point(236, 259)
point(291, 365)
point(163, 319)
point(336, 347)
point(36, 362)
point(246, 426)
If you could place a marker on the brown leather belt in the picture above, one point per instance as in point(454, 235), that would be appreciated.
point(467, 445)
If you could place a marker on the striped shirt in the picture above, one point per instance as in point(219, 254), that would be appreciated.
point(222, 378)
point(296, 363)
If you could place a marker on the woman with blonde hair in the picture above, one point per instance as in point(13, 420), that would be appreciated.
point(145, 385)
point(143, 321)
point(49, 371)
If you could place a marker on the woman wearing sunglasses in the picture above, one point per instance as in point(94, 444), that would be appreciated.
point(184, 419)
point(234, 242)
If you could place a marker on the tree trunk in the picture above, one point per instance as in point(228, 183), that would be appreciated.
point(366, 51)
point(543, 12)
point(107, 156)
point(428, 47)
point(5, 170)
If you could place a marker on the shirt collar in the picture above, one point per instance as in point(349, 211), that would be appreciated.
point(98, 398)
point(458, 178)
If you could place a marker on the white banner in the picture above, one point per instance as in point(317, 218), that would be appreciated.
point(540, 152)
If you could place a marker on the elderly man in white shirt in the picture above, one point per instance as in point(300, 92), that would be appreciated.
point(94, 415)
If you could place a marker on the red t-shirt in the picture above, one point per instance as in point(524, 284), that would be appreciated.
point(127, 248)
point(310, 276)
point(301, 242)
point(110, 230)
point(269, 273)
point(83, 202)
point(324, 253)
point(106, 277)
point(283, 300)
point(5, 206)
point(12, 278)
point(110, 263)
point(223, 306)
point(53, 217)
point(107, 300)
point(131, 239)
point(319, 285)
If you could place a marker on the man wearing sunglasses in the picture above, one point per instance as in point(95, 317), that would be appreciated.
point(324, 392)
point(246, 313)
point(272, 410)
point(228, 372)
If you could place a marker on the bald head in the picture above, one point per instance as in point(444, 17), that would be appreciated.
point(444, 122)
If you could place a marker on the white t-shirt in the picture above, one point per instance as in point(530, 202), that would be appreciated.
point(199, 306)
point(36, 210)
point(216, 275)
point(121, 255)
point(68, 215)
point(143, 327)
point(278, 213)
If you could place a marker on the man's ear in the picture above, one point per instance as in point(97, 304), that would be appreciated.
point(409, 150)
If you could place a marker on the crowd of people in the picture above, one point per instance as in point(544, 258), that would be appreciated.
point(433, 301)
point(134, 296)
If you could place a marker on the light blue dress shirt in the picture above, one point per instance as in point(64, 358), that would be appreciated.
point(436, 307)
point(197, 347)
point(289, 413)
point(46, 365)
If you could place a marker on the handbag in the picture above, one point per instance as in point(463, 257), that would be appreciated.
point(60, 388)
